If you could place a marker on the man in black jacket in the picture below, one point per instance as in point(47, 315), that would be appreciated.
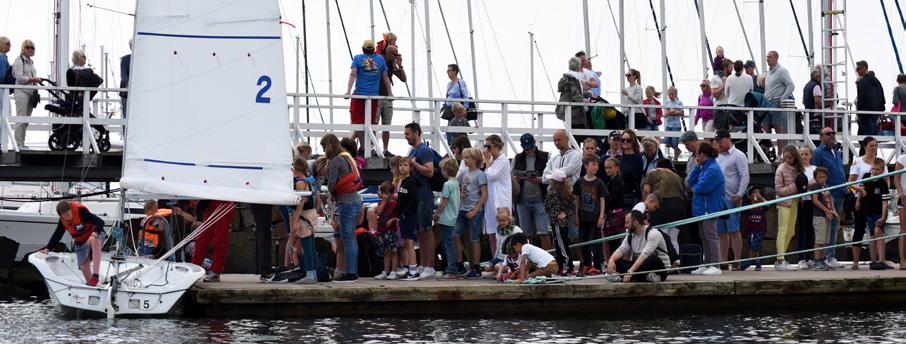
point(527, 171)
point(869, 97)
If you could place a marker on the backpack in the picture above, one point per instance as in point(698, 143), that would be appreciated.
point(370, 257)
point(437, 180)
point(9, 79)
point(668, 241)
point(691, 256)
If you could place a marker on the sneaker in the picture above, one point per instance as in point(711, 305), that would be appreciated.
point(428, 273)
point(592, 271)
point(462, 270)
point(450, 276)
point(293, 275)
point(337, 272)
point(381, 276)
point(653, 277)
point(854, 266)
point(388, 155)
point(758, 267)
point(744, 265)
point(821, 266)
point(888, 265)
point(832, 262)
point(612, 278)
point(784, 266)
point(803, 265)
point(417, 275)
point(346, 278)
point(877, 266)
point(93, 281)
point(267, 278)
point(712, 271)
point(392, 276)
point(311, 277)
point(401, 271)
point(700, 270)
point(473, 274)
point(212, 277)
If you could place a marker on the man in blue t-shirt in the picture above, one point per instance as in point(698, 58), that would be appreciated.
point(367, 71)
point(422, 159)
point(827, 155)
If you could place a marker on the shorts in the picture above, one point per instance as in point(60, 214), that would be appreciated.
point(774, 119)
point(425, 215)
point(731, 224)
point(822, 228)
point(407, 227)
point(357, 111)
point(672, 141)
point(755, 240)
point(532, 217)
point(870, 225)
point(463, 222)
point(83, 250)
point(385, 111)
point(388, 241)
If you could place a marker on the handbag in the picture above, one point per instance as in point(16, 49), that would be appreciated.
point(34, 99)
point(349, 182)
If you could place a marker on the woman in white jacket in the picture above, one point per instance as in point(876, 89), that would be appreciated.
point(25, 74)
point(500, 189)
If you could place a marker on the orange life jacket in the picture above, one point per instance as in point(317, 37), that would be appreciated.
point(152, 231)
point(79, 231)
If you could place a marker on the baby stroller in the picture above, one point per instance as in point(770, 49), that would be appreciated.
point(69, 104)
point(757, 100)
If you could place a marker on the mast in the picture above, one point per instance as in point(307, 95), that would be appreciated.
point(622, 55)
point(437, 135)
point(701, 25)
point(811, 40)
point(370, 16)
point(305, 57)
point(585, 20)
point(764, 51)
point(411, 76)
point(532, 74)
point(474, 65)
point(62, 41)
point(329, 60)
point(663, 30)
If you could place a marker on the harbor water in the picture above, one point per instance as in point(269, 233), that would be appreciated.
point(37, 321)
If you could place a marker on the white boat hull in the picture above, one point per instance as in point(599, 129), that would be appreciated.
point(154, 292)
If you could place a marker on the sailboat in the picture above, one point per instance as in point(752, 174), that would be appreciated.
point(207, 120)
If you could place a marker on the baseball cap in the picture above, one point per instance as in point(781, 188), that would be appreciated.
point(640, 207)
point(689, 136)
point(722, 134)
point(616, 135)
point(368, 44)
point(558, 175)
point(749, 64)
point(527, 141)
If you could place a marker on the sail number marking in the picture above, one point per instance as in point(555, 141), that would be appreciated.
point(265, 82)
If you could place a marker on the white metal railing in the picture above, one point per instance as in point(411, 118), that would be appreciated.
point(500, 117)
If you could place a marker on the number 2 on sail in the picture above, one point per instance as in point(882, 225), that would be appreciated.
point(266, 82)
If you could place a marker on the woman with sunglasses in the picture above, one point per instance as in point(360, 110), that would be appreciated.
point(500, 191)
point(25, 73)
point(633, 95)
point(632, 169)
point(705, 115)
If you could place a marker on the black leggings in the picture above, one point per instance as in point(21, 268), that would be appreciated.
point(591, 254)
point(650, 264)
point(561, 244)
point(805, 231)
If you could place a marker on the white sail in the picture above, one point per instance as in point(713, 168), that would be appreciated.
point(207, 111)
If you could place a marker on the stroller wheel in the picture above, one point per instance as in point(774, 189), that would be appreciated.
point(56, 142)
point(104, 143)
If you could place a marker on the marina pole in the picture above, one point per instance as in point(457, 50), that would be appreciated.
point(432, 118)
point(296, 99)
point(623, 54)
point(531, 48)
point(474, 65)
point(811, 40)
point(329, 60)
point(411, 76)
point(663, 35)
point(62, 41)
point(764, 51)
point(701, 26)
point(587, 36)
point(371, 17)
point(305, 66)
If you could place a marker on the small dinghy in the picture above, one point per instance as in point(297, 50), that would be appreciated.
point(129, 285)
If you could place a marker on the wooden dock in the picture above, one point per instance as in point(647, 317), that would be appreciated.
point(243, 295)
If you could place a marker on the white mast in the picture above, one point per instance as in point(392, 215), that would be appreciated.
point(704, 37)
point(663, 31)
point(329, 60)
point(811, 41)
point(623, 55)
point(411, 76)
point(764, 51)
point(531, 51)
point(371, 17)
point(437, 136)
point(474, 65)
point(62, 43)
point(585, 20)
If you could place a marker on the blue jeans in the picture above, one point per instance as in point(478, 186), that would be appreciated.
point(835, 226)
point(464, 223)
point(868, 125)
point(532, 217)
point(731, 224)
point(449, 247)
point(349, 212)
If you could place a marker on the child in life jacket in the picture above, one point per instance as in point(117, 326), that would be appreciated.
point(87, 231)
point(153, 228)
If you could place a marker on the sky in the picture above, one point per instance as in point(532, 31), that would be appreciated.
point(501, 35)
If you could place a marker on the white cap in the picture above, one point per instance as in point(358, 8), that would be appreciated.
point(640, 207)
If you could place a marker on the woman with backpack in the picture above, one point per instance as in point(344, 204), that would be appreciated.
point(342, 184)
point(456, 89)
point(644, 249)
point(500, 188)
point(26, 100)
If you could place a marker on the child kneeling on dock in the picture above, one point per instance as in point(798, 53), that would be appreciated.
point(644, 249)
point(87, 231)
point(532, 261)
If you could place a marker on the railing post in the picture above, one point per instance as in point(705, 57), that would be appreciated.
point(435, 124)
point(750, 132)
point(568, 126)
point(296, 138)
point(367, 132)
point(631, 118)
point(5, 128)
point(503, 123)
point(540, 129)
point(87, 134)
point(845, 139)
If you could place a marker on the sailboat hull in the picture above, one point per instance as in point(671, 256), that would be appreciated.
point(153, 292)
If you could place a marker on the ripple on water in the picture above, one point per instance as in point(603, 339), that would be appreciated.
point(33, 320)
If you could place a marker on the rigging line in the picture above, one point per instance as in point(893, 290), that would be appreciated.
point(343, 24)
point(619, 34)
point(387, 21)
point(890, 33)
point(660, 38)
point(449, 39)
point(746, 36)
point(431, 63)
point(547, 74)
point(499, 51)
point(808, 54)
point(312, 82)
point(900, 11)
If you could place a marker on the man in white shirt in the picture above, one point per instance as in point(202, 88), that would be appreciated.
point(738, 85)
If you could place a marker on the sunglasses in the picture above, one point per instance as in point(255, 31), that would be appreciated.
point(487, 146)
point(29, 47)
point(625, 140)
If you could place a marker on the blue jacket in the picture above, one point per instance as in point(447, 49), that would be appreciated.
point(707, 183)
point(832, 160)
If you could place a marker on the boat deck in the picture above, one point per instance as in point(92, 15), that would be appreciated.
point(243, 295)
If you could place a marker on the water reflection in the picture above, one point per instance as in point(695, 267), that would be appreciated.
point(36, 321)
